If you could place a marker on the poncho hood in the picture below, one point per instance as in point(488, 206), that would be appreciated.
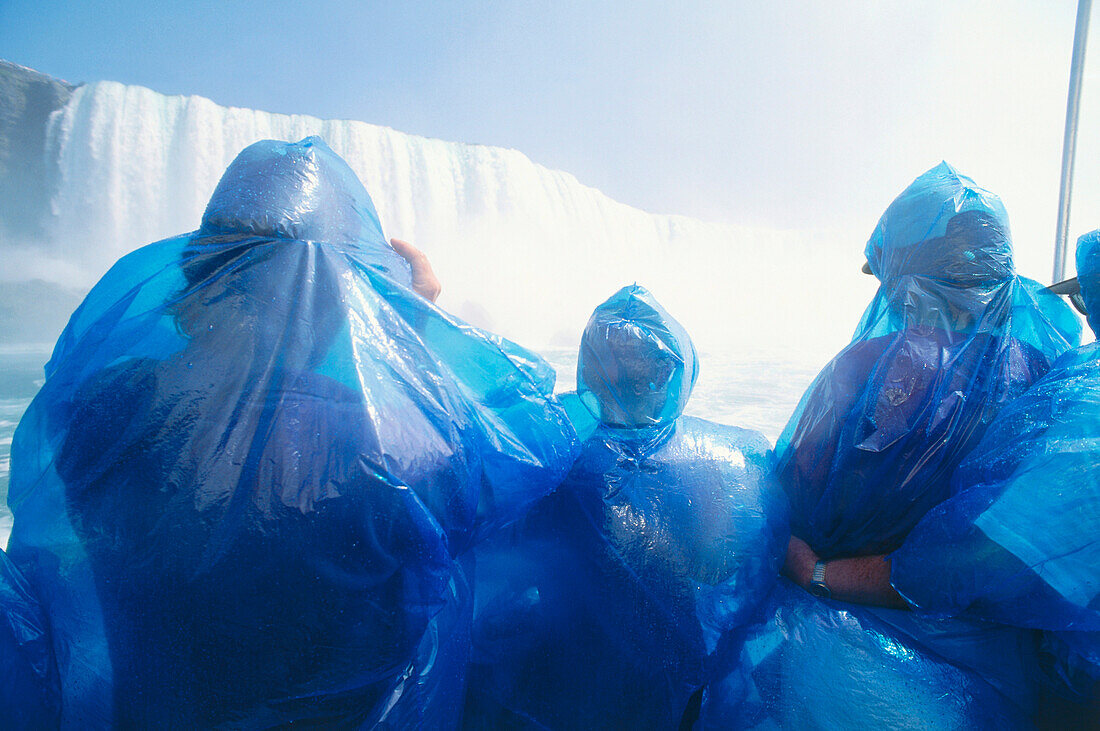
point(304, 191)
point(637, 364)
point(943, 228)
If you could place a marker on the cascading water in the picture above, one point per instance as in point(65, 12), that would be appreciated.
point(519, 248)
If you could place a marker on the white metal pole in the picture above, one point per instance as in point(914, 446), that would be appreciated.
point(1069, 144)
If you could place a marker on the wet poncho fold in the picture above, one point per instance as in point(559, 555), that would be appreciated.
point(246, 490)
point(29, 689)
point(951, 337)
point(624, 592)
point(1019, 540)
point(816, 663)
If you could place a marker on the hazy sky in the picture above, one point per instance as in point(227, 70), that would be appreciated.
point(790, 114)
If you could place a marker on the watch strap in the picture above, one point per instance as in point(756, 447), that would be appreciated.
point(818, 576)
point(817, 586)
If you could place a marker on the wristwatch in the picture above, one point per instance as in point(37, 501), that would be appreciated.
point(817, 586)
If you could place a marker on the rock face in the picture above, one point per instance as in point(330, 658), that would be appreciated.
point(27, 98)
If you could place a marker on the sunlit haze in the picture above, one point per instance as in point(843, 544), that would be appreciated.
point(806, 116)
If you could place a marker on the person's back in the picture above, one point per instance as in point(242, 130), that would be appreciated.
point(951, 337)
point(622, 593)
point(247, 486)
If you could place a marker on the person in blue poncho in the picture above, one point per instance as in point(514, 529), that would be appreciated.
point(951, 337)
point(1018, 543)
point(248, 490)
point(624, 592)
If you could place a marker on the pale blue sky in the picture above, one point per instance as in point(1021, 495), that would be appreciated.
point(793, 114)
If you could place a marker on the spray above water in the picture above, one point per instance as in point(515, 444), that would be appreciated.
point(521, 249)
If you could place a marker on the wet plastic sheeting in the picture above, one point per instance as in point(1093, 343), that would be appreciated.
point(1088, 275)
point(951, 337)
point(624, 592)
point(246, 489)
point(815, 663)
point(29, 692)
point(1019, 542)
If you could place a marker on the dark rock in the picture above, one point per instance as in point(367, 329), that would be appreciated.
point(27, 179)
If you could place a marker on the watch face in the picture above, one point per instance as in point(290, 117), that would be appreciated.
point(819, 590)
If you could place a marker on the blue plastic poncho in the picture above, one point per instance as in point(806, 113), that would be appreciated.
point(821, 664)
point(622, 594)
point(245, 492)
point(1019, 542)
point(28, 674)
point(951, 336)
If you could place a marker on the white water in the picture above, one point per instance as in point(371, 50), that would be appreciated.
point(519, 248)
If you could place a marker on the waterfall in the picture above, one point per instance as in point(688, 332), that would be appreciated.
point(521, 249)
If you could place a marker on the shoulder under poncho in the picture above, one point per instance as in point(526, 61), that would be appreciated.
point(951, 337)
point(245, 491)
point(1019, 541)
point(624, 592)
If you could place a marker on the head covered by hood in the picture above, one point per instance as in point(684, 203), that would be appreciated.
point(950, 337)
point(1088, 276)
point(295, 190)
point(943, 253)
point(637, 364)
point(945, 228)
point(284, 219)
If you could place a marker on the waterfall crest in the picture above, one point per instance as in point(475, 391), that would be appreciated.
point(520, 248)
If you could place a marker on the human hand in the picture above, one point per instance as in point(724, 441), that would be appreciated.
point(424, 281)
point(799, 565)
